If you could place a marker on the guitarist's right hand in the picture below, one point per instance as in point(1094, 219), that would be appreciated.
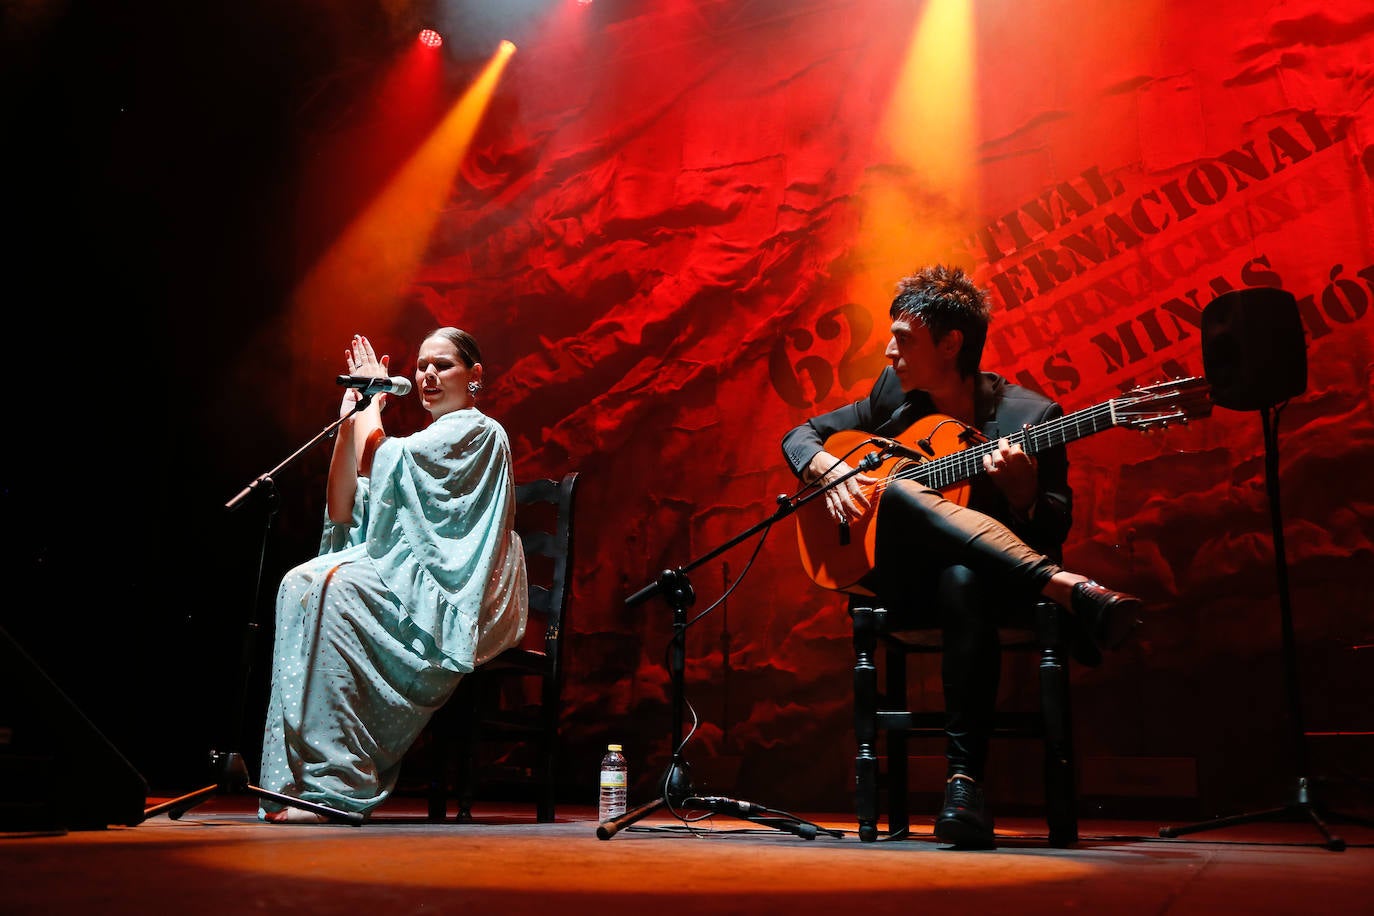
point(844, 501)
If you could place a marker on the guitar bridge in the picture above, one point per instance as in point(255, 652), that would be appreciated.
point(844, 533)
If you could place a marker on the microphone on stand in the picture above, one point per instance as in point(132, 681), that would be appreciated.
point(893, 447)
point(397, 385)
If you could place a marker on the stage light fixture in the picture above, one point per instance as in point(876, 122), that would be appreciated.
point(431, 38)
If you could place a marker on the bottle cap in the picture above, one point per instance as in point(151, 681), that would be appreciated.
point(613, 747)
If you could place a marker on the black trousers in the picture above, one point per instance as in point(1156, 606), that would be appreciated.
point(942, 564)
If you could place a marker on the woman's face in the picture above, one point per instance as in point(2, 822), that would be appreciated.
point(443, 377)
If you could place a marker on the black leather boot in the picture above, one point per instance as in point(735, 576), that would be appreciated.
point(1110, 617)
point(962, 822)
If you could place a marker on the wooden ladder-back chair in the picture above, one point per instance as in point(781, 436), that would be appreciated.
point(515, 698)
point(1039, 628)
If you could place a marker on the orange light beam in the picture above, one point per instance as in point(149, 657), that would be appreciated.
point(370, 265)
point(913, 211)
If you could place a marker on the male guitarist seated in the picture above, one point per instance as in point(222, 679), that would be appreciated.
point(956, 563)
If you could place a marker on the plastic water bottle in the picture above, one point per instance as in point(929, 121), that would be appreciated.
point(615, 781)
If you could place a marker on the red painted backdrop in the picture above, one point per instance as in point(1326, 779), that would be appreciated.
point(657, 238)
point(676, 235)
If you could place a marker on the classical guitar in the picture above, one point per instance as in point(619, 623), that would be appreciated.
point(837, 556)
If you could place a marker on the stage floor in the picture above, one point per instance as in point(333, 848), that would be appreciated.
point(220, 859)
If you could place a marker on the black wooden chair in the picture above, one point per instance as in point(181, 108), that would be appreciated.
point(514, 701)
point(1042, 628)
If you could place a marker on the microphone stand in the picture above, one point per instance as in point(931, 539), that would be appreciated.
point(228, 768)
point(676, 589)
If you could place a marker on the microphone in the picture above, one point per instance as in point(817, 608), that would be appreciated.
point(900, 450)
point(398, 385)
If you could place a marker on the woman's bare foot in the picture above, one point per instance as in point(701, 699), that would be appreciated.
point(295, 816)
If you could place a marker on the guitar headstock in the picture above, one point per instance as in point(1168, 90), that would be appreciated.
point(1164, 403)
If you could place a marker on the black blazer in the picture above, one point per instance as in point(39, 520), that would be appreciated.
point(1001, 407)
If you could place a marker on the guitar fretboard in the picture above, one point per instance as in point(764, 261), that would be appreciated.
point(962, 465)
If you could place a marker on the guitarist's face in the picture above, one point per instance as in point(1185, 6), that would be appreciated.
point(919, 361)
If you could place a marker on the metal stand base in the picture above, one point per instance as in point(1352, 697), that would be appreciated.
point(1302, 809)
point(677, 791)
point(232, 779)
point(676, 784)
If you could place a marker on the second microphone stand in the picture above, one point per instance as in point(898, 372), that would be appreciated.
point(675, 787)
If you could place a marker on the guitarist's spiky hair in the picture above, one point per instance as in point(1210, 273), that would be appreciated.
point(946, 299)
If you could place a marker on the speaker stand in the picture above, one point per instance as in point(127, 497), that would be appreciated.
point(1302, 806)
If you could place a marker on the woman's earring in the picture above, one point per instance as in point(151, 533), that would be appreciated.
point(474, 387)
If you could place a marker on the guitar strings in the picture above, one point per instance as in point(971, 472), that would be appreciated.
point(965, 463)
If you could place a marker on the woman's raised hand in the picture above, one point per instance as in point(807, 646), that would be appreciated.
point(362, 361)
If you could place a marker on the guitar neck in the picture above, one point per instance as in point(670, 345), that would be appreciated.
point(963, 465)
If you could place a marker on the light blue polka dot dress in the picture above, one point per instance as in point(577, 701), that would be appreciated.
point(372, 635)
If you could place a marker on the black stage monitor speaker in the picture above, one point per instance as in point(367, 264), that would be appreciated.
point(1254, 353)
point(57, 771)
